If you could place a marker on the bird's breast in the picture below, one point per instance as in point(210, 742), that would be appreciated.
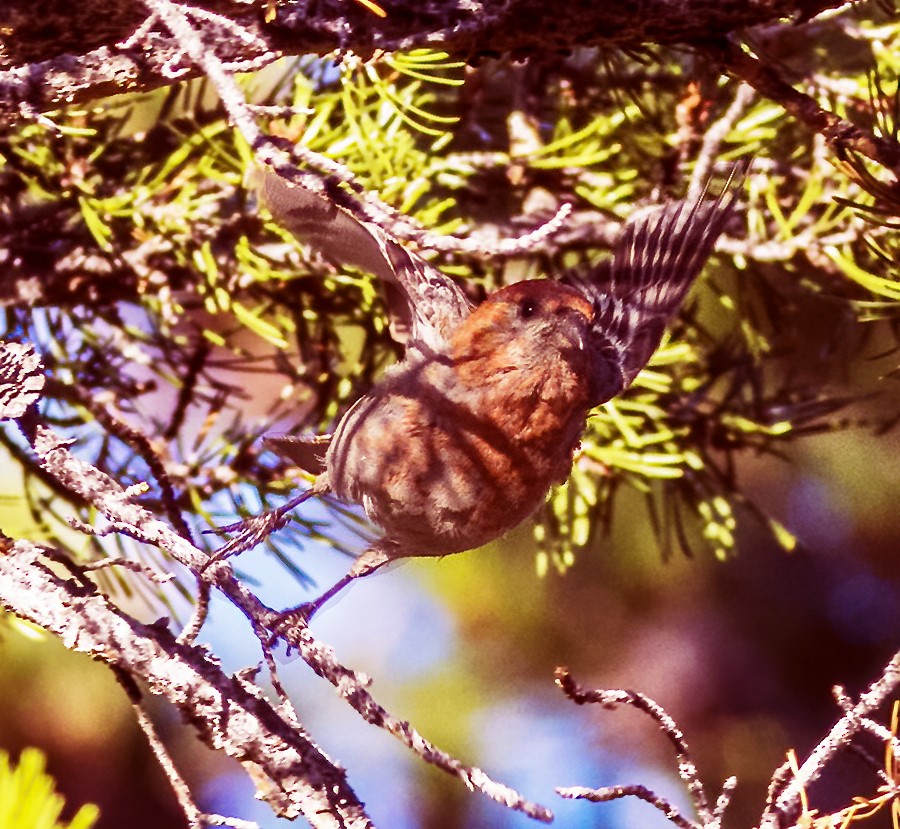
point(444, 467)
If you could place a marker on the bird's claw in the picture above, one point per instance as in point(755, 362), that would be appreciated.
point(288, 619)
point(227, 529)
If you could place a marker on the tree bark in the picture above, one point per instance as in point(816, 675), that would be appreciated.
point(230, 715)
point(67, 52)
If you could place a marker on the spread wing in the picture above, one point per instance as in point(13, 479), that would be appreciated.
point(655, 261)
point(425, 305)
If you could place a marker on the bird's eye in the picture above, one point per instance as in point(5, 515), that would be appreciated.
point(527, 308)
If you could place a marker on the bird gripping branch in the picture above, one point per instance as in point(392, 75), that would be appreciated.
point(462, 440)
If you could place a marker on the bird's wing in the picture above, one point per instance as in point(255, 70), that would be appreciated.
point(425, 305)
point(655, 261)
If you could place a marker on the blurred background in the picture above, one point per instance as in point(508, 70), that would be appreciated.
point(727, 544)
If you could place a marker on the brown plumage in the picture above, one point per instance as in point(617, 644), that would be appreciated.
point(461, 441)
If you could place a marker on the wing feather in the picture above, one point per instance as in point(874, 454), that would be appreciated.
point(655, 261)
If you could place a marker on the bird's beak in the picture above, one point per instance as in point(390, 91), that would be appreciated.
point(574, 326)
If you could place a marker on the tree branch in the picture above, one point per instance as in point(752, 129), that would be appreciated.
point(112, 501)
point(840, 134)
point(84, 63)
point(687, 770)
point(784, 803)
point(291, 773)
point(608, 793)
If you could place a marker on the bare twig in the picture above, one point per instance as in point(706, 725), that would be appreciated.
point(838, 132)
point(264, 639)
point(713, 138)
point(130, 436)
point(129, 564)
point(785, 795)
point(881, 732)
point(608, 793)
point(687, 770)
point(724, 799)
point(195, 365)
point(198, 617)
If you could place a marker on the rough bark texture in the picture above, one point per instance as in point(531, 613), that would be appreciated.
point(59, 52)
point(230, 715)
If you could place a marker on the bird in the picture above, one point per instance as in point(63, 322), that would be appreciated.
point(462, 440)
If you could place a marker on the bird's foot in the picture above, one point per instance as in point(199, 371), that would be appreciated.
point(251, 531)
point(288, 620)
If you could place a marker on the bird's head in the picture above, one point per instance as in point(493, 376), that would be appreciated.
point(528, 321)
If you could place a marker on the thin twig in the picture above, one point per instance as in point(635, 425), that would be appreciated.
point(130, 436)
point(264, 639)
point(687, 770)
point(195, 365)
point(196, 819)
point(608, 793)
point(882, 733)
point(866, 723)
point(713, 138)
point(838, 132)
point(784, 803)
point(80, 570)
point(130, 564)
point(723, 801)
point(192, 629)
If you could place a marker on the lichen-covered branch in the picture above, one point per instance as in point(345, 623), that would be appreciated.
point(785, 799)
point(687, 769)
point(229, 715)
point(83, 61)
